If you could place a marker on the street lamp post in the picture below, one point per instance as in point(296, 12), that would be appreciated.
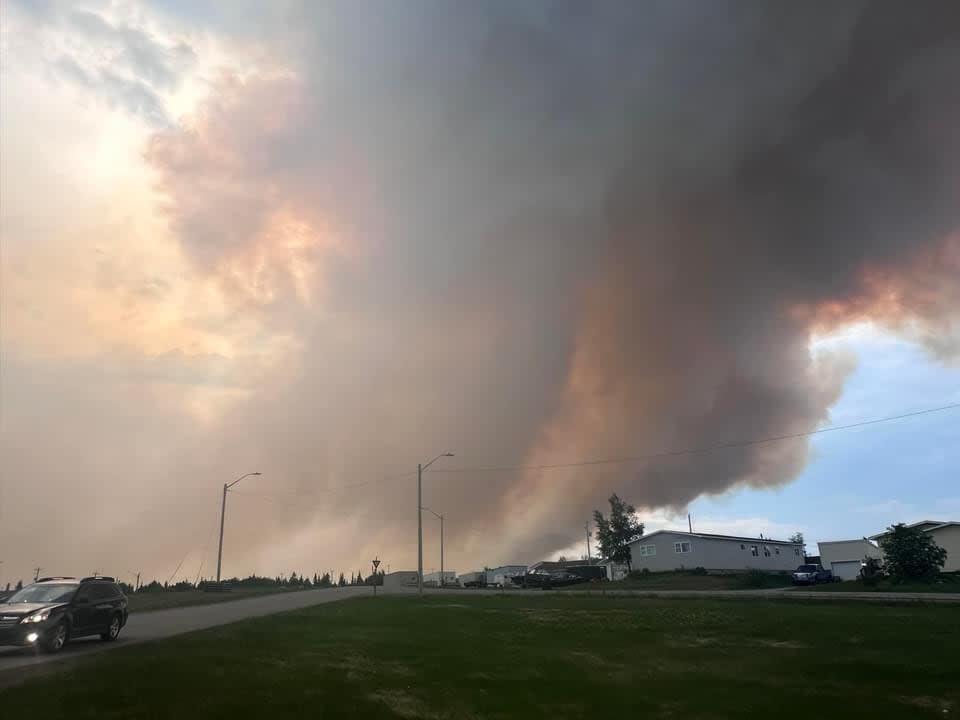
point(420, 469)
point(438, 515)
point(223, 511)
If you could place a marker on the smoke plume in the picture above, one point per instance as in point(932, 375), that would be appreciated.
point(542, 233)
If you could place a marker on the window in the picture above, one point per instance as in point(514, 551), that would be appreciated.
point(754, 551)
point(103, 591)
point(777, 550)
point(647, 550)
point(766, 551)
point(742, 546)
point(796, 551)
point(681, 547)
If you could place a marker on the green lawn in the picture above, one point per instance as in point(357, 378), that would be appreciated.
point(945, 584)
point(146, 601)
point(681, 580)
point(551, 656)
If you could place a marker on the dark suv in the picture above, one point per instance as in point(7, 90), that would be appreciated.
point(52, 611)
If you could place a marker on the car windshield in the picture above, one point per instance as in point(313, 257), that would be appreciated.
point(807, 568)
point(43, 593)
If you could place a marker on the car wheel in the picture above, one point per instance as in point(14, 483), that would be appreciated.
point(56, 638)
point(113, 630)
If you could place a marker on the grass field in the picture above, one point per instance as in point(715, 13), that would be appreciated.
point(144, 602)
point(946, 584)
point(688, 581)
point(559, 656)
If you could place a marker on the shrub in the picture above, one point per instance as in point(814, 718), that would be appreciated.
point(911, 554)
point(870, 571)
point(699, 571)
point(755, 579)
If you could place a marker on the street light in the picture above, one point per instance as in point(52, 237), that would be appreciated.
point(438, 515)
point(420, 469)
point(223, 511)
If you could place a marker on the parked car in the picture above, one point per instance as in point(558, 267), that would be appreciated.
point(546, 579)
point(811, 574)
point(52, 611)
point(590, 573)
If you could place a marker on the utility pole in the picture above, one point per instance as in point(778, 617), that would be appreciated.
point(420, 528)
point(36, 573)
point(440, 518)
point(137, 586)
point(223, 512)
point(420, 469)
point(586, 527)
point(689, 523)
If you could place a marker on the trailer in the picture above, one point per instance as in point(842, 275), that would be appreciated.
point(474, 579)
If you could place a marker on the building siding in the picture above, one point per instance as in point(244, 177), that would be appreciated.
point(949, 539)
point(716, 554)
point(844, 551)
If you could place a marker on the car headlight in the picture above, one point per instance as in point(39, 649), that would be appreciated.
point(37, 617)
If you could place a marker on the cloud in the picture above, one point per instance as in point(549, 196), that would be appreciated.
point(529, 235)
point(128, 65)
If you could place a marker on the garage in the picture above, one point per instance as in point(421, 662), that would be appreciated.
point(846, 569)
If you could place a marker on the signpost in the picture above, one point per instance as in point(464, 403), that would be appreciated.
point(376, 564)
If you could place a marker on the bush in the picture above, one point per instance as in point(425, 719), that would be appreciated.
point(699, 571)
point(871, 572)
point(760, 579)
point(912, 555)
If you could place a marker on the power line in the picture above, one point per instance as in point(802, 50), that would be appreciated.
point(203, 555)
point(615, 460)
point(700, 450)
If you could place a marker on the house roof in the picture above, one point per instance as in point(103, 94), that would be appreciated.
point(842, 542)
point(712, 536)
point(934, 525)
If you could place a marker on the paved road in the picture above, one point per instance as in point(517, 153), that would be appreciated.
point(165, 623)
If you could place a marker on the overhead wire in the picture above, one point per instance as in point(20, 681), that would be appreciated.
point(618, 460)
point(699, 450)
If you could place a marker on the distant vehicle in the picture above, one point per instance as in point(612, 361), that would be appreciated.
point(811, 574)
point(474, 579)
point(546, 579)
point(52, 611)
point(590, 573)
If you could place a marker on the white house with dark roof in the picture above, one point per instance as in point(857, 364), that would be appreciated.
point(665, 550)
point(946, 533)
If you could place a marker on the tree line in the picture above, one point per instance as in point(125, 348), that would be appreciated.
point(251, 582)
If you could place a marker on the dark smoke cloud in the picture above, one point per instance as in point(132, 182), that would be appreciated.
point(565, 231)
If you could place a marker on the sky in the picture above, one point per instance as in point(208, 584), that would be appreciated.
point(328, 241)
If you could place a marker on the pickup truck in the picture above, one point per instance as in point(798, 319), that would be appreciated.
point(811, 574)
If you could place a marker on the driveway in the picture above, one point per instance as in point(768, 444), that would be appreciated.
point(19, 663)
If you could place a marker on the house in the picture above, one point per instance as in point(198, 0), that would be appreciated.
point(401, 578)
point(433, 579)
point(946, 533)
point(665, 550)
point(501, 576)
point(844, 557)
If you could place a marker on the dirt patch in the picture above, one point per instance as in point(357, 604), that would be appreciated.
point(402, 703)
point(784, 644)
point(360, 667)
point(449, 605)
point(691, 642)
point(941, 705)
